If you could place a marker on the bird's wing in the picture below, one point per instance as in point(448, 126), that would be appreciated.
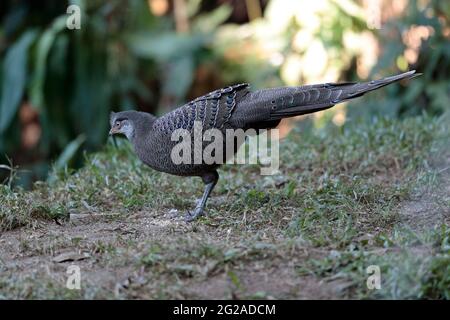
point(212, 110)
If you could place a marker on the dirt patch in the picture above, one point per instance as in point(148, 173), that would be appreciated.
point(430, 207)
point(108, 250)
point(280, 282)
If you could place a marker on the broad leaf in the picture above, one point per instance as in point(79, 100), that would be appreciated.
point(14, 78)
point(178, 77)
point(69, 152)
point(210, 21)
point(43, 48)
point(164, 47)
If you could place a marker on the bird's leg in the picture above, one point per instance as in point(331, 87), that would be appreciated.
point(210, 180)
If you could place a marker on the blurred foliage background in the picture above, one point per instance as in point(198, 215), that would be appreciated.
point(57, 86)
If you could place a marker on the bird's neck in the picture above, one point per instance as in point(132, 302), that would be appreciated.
point(143, 128)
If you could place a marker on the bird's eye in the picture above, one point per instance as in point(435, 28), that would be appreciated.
point(117, 123)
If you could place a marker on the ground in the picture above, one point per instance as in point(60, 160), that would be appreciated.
point(346, 198)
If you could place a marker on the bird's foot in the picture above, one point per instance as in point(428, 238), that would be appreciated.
point(191, 216)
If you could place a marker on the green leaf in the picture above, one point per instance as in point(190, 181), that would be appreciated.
point(164, 47)
point(179, 77)
point(210, 21)
point(234, 279)
point(14, 78)
point(69, 152)
point(43, 48)
point(193, 7)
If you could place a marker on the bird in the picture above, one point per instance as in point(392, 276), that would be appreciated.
point(233, 107)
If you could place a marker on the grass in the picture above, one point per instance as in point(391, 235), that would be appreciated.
point(341, 203)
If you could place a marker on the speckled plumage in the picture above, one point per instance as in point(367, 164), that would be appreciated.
point(233, 107)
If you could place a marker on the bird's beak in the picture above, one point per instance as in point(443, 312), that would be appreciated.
point(113, 131)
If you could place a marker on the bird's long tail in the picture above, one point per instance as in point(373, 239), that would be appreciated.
point(289, 102)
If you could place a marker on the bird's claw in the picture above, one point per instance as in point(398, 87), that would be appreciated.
point(191, 216)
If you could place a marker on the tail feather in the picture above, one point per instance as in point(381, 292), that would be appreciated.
point(291, 102)
point(359, 89)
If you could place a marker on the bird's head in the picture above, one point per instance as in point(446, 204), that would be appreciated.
point(122, 123)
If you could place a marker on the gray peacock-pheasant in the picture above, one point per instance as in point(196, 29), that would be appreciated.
point(234, 107)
